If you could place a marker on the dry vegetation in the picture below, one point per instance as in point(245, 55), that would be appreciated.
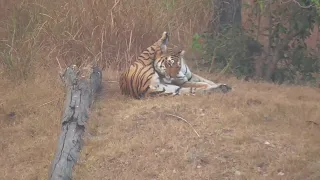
point(258, 131)
point(37, 33)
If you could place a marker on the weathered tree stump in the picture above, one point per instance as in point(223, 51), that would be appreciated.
point(82, 85)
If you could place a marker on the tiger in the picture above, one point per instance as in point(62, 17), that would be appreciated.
point(187, 81)
point(141, 80)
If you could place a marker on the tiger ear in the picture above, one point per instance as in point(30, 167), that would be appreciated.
point(164, 41)
point(182, 52)
point(163, 48)
point(181, 59)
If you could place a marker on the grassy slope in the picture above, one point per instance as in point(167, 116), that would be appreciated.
point(131, 139)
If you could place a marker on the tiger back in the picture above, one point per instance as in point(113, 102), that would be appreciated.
point(136, 80)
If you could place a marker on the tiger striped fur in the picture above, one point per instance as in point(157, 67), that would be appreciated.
point(141, 79)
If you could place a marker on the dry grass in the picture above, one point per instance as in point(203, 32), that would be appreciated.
point(35, 33)
point(256, 132)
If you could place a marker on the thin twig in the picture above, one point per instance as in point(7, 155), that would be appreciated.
point(180, 118)
point(301, 6)
point(59, 64)
point(47, 103)
point(312, 122)
point(304, 7)
point(112, 81)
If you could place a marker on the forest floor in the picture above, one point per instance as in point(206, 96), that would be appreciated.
point(257, 131)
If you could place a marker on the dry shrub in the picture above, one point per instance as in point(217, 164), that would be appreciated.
point(36, 33)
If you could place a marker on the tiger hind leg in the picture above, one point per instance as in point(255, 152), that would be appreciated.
point(202, 88)
point(219, 88)
point(214, 86)
point(162, 90)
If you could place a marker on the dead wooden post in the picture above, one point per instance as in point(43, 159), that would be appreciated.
point(82, 86)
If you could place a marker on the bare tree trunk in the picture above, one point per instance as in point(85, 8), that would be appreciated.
point(276, 56)
point(258, 67)
point(81, 88)
point(231, 12)
point(259, 61)
point(226, 13)
point(272, 65)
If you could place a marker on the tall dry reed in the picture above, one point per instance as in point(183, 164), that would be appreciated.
point(37, 34)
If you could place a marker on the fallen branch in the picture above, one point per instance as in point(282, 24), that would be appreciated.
point(312, 122)
point(180, 118)
point(82, 85)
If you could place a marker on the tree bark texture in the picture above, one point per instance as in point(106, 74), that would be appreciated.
point(225, 12)
point(81, 88)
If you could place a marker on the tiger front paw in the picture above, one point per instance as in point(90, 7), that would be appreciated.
point(163, 89)
point(225, 88)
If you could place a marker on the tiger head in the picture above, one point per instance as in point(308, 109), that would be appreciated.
point(173, 64)
point(169, 65)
